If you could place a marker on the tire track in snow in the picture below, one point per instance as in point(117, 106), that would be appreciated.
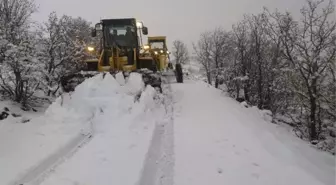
point(159, 163)
point(37, 174)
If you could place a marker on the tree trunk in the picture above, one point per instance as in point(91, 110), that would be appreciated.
point(260, 97)
point(246, 90)
point(209, 78)
point(312, 124)
point(237, 90)
point(18, 86)
point(246, 85)
point(313, 107)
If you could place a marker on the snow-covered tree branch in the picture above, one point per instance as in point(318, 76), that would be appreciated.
point(62, 48)
point(180, 52)
point(19, 66)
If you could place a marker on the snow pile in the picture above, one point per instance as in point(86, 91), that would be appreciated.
point(120, 78)
point(123, 130)
point(95, 94)
point(147, 99)
point(80, 106)
point(101, 101)
point(134, 84)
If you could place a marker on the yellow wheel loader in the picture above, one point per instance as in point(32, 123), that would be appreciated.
point(159, 51)
point(120, 49)
point(157, 46)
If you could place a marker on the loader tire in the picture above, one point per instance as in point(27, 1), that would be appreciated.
point(179, 73)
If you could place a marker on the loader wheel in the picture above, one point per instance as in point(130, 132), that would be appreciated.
point(179, 73)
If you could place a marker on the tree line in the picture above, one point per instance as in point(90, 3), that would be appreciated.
point(274, 62)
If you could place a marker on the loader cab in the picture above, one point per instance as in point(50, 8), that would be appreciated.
point(158, 43)
point(120, 43)
point(158, 48)
point(120, 32)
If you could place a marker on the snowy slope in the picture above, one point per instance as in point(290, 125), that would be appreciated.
point(218, 141)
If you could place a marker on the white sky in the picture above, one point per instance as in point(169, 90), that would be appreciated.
point(176, 19)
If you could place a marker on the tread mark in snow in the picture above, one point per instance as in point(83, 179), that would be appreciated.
point(159, 163)
point(37, 174)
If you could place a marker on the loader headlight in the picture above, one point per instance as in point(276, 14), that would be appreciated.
point(161, 51)
point(168, 52)
point(90, 48)
point(155, 52)
point(139, 24)
point(146, 47)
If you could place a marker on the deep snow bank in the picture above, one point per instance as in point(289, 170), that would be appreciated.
point(95, 94)
point(68, 117)
point(123, 127)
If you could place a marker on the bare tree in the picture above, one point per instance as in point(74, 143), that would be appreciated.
point(203, 54)
point(258, 46)
point(180, 52)
point(310, 47)
point(219, 53)
point(240, 32)
point(329, 96)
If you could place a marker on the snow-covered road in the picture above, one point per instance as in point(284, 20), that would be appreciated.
point(99, 134)
point(123, 131)
point(218, 141)
point(131, 148)
point(193, 134)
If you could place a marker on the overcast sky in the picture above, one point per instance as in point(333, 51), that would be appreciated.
point(176, 19)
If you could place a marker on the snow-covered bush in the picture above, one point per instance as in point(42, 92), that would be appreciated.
point(20, 74)
point(62, 49)
point(19, 66)
point(36, 59)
